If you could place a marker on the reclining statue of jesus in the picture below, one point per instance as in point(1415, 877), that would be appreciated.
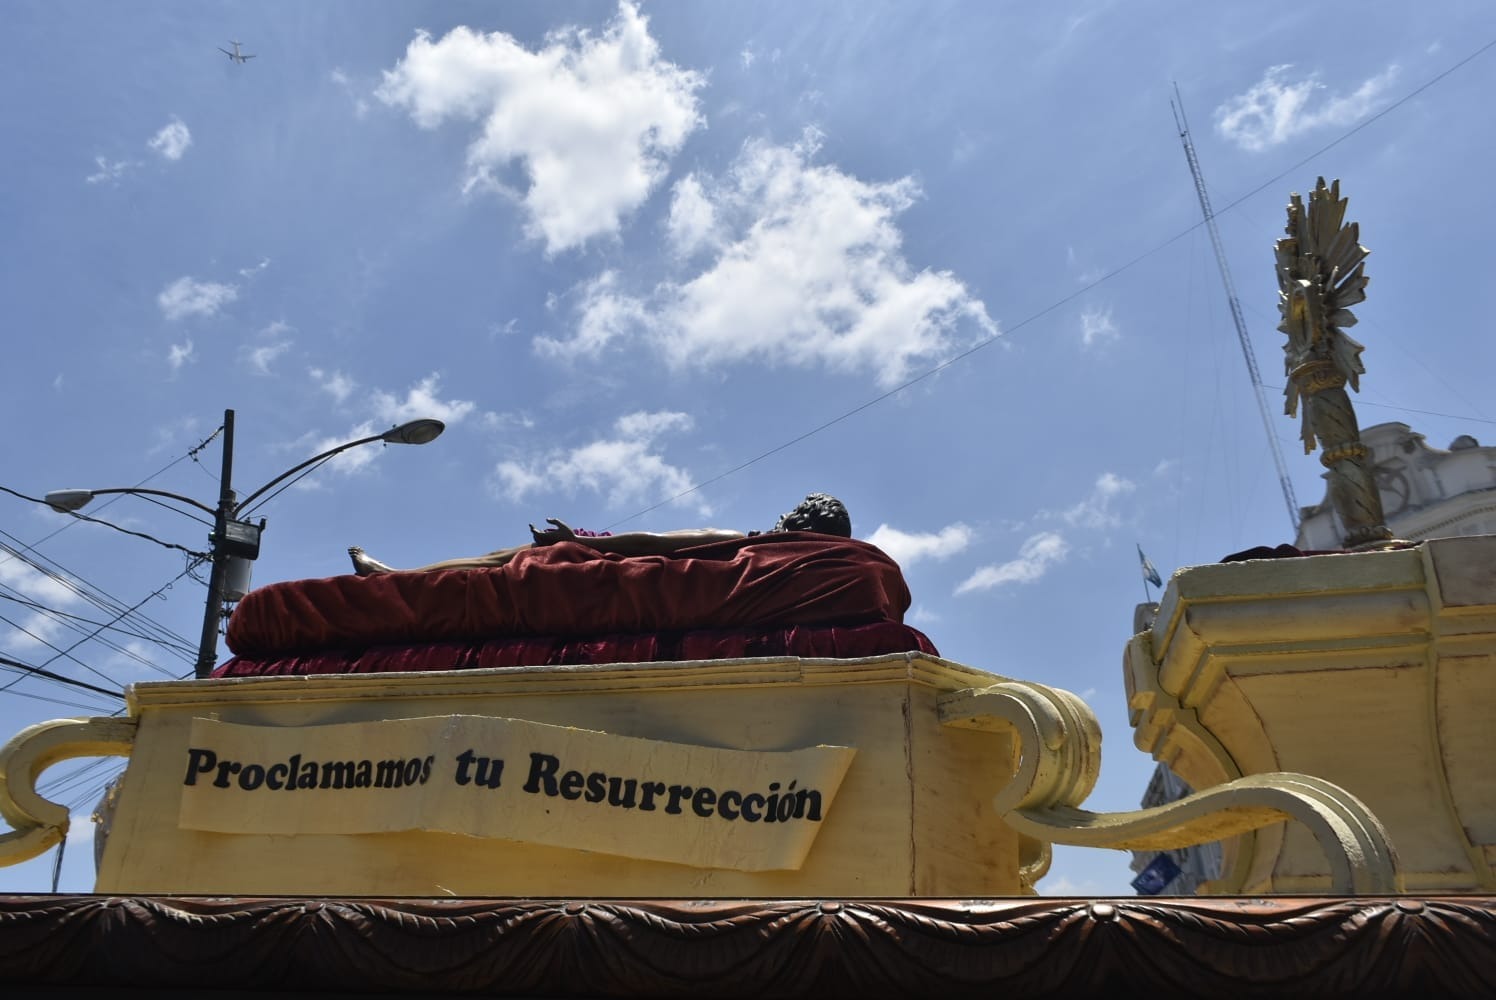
point(819, 512)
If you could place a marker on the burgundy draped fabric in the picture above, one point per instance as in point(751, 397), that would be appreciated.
point(833, 641)
point(787, 593)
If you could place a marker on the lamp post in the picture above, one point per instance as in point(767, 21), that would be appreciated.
point(233, 537)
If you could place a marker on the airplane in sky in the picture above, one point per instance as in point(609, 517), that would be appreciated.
point(236, 55)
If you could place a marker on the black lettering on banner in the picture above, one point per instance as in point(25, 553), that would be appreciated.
point(308, 776)
point(464, 761)
point(199, 762)
point(771, 809)
point(777, 805)
point(543, 769)
point(617, 796)
point(490, 772)
point(650, 789)
point(338, 774)
point(677, 792)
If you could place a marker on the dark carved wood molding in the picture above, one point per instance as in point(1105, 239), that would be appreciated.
point(756, 948)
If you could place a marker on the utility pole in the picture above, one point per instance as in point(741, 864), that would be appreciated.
point(1236, 317)
point(207, 649)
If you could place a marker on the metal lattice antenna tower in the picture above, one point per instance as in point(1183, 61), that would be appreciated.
point(1236, 317)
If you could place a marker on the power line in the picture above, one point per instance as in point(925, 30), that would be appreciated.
point(1363, 124)
point(76, 622)
point(68, 652)
point(1108, 276)
point(191, 453)
point(6, 661)
point(101, 599)
point(88, 592)
point(108, 524)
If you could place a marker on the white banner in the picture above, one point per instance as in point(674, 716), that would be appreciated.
point(747, 810)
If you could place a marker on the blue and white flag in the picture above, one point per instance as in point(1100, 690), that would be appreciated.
point(1149, 573)
point(1155, 878)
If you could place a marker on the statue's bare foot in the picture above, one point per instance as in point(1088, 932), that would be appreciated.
point(364, 564)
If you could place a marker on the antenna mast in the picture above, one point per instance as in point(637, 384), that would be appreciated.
point(1236, 317)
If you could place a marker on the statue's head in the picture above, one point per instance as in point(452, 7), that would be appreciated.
point(820, 512)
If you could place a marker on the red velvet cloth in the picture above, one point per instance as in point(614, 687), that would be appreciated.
point(568, 589)
point(836, 641)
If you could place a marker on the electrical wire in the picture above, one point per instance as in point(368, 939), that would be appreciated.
point(76, 621)
point(68, 653)
point(38, 671)
point(170, 641)
point(1065, 300)
point(262, 501)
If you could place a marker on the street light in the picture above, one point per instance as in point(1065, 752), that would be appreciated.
point(233, 538)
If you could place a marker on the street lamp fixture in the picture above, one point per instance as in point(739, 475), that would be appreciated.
point(234, 538)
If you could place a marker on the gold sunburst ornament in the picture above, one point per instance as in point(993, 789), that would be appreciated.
point(1321, 274)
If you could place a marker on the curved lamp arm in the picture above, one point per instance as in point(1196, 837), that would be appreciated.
point(414, 432)
point(68, 501)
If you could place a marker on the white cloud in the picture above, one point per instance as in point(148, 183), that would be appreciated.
point(809, 273)
point(605, 314)
point(336, 384)
point(188, 297)
point(921, 615)
point(178, 355)
point(1035, 557)
point(421, 400)
point(1095, 511)
point(360, 106)
point(173, 139)
point(646, 426)
point(693, 219)
point(250, 272)
point(107, 170)
point(747, 57)
point(591, 119)
point(506, 421)
point(1278, 108)
point(625, 467)
point(1096, 327)
point(259, 357)
point(906, 548)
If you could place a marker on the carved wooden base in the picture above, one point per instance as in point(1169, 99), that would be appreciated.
point(765, 948)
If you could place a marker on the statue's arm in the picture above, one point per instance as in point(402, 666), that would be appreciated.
point(633, 543)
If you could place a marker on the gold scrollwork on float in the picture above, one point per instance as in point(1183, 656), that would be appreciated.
point(1060, 759)
point(38, 823)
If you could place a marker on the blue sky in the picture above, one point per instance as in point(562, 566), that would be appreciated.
point(672, 265)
